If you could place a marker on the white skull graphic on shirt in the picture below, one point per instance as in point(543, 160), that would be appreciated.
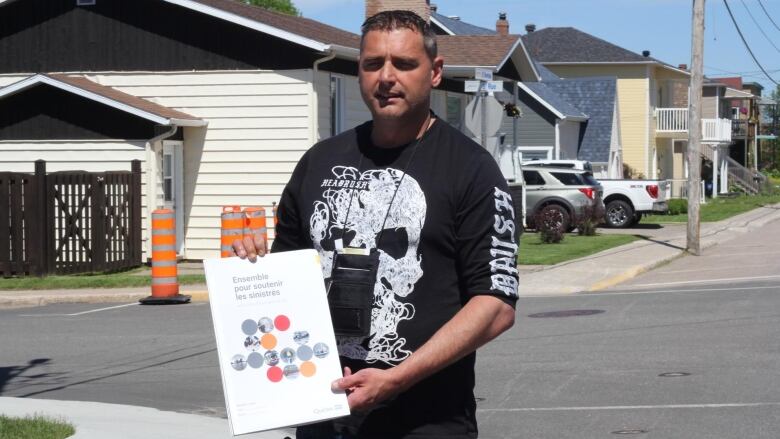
point(396, 276)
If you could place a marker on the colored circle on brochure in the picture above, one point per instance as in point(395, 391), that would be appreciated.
point(308, 369)
point(249, 327)
point(282, 322)
point(268, 341)
point(275, 374)
point(255, 360)
point(304, 353)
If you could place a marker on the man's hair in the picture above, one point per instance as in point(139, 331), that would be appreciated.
point(398, 19)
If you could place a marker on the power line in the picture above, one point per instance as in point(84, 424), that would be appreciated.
point(767, 15)
point(759, 26)
point(752, 55)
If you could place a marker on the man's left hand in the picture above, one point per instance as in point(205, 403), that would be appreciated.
point(367, 387)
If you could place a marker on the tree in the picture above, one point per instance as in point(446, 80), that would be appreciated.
point(283, 6)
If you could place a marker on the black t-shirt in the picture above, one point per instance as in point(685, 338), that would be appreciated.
point(449, 235)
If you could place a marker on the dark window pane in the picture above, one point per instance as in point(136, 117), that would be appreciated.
point(569, 179)
point(588, 178)
point(532, 178)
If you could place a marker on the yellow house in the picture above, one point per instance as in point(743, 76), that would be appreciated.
point(644, 84)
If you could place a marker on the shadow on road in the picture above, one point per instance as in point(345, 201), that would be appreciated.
point(9, 373)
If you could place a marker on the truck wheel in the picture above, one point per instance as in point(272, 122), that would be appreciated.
point(619, 214)
point(560, 213)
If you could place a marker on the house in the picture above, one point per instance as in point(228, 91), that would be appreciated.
point(217, 98)
point(647, 91)
point(555, 122)
point(581, 120)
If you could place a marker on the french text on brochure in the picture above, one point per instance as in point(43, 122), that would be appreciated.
point(257, 286)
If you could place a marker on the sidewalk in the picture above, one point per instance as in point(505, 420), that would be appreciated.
point(591, 273)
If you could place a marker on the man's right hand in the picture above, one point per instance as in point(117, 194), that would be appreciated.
point(251, 247)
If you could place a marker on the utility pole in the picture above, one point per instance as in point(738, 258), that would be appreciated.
point(694, 129)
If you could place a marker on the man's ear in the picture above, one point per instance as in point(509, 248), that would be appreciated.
point(438, 68)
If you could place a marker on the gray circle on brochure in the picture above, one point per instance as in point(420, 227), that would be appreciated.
point(305, 353)
point(255, 360)
point(249, 327)
point(291, 372)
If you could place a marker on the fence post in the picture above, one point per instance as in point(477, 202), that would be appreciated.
point(42, 220)
point(98, 257)
point(135, 212)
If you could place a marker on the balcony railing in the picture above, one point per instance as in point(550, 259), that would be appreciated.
point(675, 120)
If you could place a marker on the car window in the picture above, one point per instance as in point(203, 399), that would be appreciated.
point(567, 178)
point(532, 178)
point(589, 179)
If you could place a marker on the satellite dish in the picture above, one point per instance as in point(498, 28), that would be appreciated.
point(494, 111)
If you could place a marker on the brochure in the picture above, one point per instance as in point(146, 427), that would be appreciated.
point(275, 340)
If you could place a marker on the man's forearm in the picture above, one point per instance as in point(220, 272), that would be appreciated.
point(482, 319)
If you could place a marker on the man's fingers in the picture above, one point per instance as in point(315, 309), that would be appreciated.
point(249, 246)
point(261, 244)
point(348, 382)
point(238, 248)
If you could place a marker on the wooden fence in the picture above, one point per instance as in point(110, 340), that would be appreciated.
point(69, 222)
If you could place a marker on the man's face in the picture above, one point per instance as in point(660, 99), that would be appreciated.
point(395, 73)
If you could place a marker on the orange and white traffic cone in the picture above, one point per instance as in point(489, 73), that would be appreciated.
point(232, 229)
point(165, 281)
point(255, 222)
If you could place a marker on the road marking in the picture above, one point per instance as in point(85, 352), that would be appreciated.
point(729, 279)
point(698, 270)
point(629, 293)
point(632, 407)
point(80, 313)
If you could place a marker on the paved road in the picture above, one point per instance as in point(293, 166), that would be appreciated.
point(583, 376)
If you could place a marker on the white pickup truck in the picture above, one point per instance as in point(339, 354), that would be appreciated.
point(625, 201)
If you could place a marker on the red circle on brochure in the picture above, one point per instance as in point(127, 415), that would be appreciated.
point(282, 323)
point(275, 374)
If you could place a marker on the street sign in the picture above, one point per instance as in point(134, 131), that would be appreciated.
point(472, 86)
point(483, 74)
point(494, 86)
point(494, 113)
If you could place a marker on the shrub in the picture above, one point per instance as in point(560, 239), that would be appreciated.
point(549, 224)
point(678, 206)
point(588, 220)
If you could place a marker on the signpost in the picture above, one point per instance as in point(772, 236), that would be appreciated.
point(483, 86)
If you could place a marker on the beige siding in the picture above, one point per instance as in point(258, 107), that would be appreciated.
point(634, 107)
point(259, 126)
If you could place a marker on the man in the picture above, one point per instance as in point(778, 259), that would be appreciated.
point(436, 208)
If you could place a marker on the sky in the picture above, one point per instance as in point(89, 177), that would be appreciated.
point(661, 26)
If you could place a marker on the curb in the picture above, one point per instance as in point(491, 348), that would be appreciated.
point(631, 273)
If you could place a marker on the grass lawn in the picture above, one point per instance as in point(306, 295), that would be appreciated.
point(718, 209)
point(36, 427)
point(534, 252)
point(114, 280)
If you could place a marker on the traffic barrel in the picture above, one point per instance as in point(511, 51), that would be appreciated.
point(255, 222)
point(232, 229)
point(165, 282)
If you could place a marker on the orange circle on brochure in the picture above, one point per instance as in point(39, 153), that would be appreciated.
point(308, 369)
point(275, 374)
point(282, 322)
point(268, 341)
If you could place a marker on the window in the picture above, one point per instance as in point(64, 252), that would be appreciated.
point(336, 105)
point(168, 176)
point(455, 111)
point(532, 178)
point(568, 179)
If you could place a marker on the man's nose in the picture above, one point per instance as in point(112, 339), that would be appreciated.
point(387, 74)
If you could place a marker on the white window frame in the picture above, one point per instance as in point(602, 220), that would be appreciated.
point(338, 114)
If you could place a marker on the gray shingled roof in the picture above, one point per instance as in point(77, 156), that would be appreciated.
point(567, 44)
point(458, 27)
point(596, 97)
point(544, 73)
point(550, 96)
